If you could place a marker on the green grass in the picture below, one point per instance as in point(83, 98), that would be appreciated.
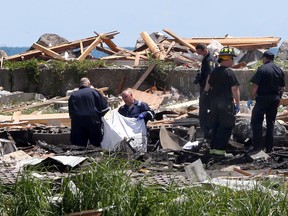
point(105, 183)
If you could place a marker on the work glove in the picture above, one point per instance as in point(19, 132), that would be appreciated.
point(237, 108)
point(249, 103)
point(140, 117)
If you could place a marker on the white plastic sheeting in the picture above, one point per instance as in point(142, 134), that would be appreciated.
point(118, 127)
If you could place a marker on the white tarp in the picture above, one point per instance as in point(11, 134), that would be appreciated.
point(118, 127)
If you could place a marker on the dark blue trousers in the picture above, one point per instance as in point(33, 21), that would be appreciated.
point(84, 129)
point(265, 105)
point(203, 116)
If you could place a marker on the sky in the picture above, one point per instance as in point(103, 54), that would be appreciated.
point(23, 22)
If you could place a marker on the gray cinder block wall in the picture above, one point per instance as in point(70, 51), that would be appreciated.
point(115, 79)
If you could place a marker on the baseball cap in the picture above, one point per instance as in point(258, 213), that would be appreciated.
point(268, 54)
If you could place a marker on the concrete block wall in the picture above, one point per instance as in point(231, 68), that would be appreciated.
point(181, 79)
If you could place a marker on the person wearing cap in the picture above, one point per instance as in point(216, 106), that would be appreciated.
point(86, 107)
point(134, 108)
point(268, 85)
point(209, 62)
point(224, 97)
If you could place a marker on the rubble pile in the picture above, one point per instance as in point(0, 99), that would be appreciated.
point(176, 148)
point(169, 47)
point(175, 140)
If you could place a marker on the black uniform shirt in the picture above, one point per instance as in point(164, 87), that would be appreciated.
point(269, 78)
point(221, 80)
point(87, 102)
point(207, 66)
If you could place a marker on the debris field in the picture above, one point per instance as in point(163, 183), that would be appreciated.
point(175, 146)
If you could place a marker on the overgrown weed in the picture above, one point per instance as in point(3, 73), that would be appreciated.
point(106, 184)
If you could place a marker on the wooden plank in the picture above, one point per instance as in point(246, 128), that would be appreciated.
point(39, 119)
point(143, 77)
point(121, 83)
point(58, 49)
point(107, 51)
point(48, 102)
point(81, 47)
point(240, 43)
point(111, 44)
point(152, 45)
point(13, 124)
point(1, 61)
point(47, 51)
point(180, 40)
point(234, 40)
point(137, 59)
point(90, 48)
point(116, 57)
point(170, 47)
point(136, 53)
point(243, 172)
point(16, 116)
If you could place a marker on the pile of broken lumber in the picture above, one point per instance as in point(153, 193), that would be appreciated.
point(160, 46)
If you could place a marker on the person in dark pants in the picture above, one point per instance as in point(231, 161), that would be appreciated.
point(86, 107)
point(134, 108)
point(223, 90)
point(269, 85)
point(208, 64)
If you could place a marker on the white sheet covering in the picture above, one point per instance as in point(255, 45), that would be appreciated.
point(118, 127)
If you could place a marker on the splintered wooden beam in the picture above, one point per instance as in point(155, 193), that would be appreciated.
point(152, 46)
point(180, 40)
point(143, 77)
point(81, 47)
point(90, 48)
point(111, 44)
point(47, 51)
point(58, 49)
point(136, 62)
point(107, 51)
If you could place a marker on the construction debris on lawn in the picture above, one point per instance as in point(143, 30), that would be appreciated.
point(175, 143)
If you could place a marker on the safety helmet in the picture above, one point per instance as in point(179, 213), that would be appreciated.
point(227, 51)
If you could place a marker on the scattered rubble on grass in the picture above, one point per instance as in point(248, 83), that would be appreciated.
point(175, 142)
point(176, 150)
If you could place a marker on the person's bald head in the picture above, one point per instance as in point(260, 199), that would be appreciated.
point(127, 96)
point(84, 81)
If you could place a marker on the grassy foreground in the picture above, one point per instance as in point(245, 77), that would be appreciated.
point(105, 184)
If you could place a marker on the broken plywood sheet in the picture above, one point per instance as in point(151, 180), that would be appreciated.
point(154, 101)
